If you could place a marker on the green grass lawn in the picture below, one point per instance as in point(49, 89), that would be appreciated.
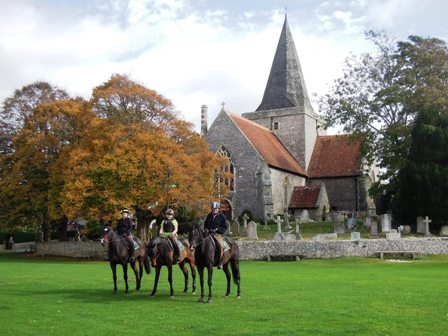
point(346, 296)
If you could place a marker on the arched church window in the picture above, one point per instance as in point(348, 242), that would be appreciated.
point(226, 175)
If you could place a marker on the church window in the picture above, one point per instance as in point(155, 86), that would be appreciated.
point(276, 125)
point(285, 187)
point(226, 175)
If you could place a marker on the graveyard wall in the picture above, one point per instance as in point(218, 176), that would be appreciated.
point(263, 250)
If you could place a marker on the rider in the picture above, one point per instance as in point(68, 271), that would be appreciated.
point(124, 229)
point(168, 229)
point(216, 222)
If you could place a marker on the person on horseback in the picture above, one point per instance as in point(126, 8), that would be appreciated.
point(124, 229)
point(216, 223)
point(168, 229)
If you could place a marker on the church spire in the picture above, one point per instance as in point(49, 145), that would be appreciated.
point(286, 85)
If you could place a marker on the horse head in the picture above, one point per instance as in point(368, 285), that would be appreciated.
point(106, 234)
point(153, 248)
point(195, 236)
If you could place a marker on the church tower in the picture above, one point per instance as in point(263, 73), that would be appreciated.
point(286, 108)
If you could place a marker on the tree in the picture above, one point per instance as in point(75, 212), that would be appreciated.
point(423, 188)
point(137, 154)
point(31, 174)
point(380, 95)
point(17, 108)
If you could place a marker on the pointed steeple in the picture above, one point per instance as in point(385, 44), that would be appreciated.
point(286, 85)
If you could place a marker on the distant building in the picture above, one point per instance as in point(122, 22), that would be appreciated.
point(279, 155)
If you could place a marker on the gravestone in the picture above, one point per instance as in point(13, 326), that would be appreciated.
point(336, 216)
point(339, 228)
point(444, 231)
point(367, 221)
point(385, 223)
point(426, 221)
point(355, 236)
point(252, 230)
point(420, 225)
point(304, 216)
point(266, 226)
point(373, 230)
point(393, 235)
point(286, 219)
point(289, 237)
point(351, 221)
point(245, 217)
point(404, 229)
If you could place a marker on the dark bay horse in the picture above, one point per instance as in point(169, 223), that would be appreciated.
point(207, 256)
point(118, 254)
point(161, 254)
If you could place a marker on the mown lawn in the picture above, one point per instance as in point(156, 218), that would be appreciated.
point(347, 296)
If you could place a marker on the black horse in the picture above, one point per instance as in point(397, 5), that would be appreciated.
point(118, 254)
point(161, 254)
point(207, 255)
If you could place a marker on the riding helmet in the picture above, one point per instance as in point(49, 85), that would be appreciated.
point(215, 205)
point(169, 212)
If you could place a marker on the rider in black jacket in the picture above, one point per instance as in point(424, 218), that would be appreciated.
point(124, 229)
point(216, 222)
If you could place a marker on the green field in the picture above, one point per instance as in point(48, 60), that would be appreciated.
point(347, 296)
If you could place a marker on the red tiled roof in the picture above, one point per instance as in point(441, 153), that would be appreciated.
point(304, 197)
point(267, 145)
point(335, 156)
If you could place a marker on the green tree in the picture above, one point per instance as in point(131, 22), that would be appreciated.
point(380, 94)
point(423, 188)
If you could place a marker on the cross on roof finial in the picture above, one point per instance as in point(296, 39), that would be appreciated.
point(223, 104)
point(286, 11)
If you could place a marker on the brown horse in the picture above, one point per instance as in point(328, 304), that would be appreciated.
point(160, 252)
point(207, 255)
point(118, 254)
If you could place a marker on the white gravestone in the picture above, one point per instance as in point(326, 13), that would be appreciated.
point(373, 230)
point(393, 235)
point(420, 225)
point(252, 230)
point(355, 236)
point(385, 223)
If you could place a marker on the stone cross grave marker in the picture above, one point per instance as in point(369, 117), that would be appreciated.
point(245, 217)
point(279, 234)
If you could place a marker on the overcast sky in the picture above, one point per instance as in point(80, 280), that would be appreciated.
point(194, 52)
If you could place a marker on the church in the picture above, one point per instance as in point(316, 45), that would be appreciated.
point(279, 156)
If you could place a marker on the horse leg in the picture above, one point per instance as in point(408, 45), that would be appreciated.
point(125, 276)
point(201, 282)
point(210, 277)
point(156, 280)
point(236, 275)
point(170, 279)
point(140, 272)
point(193, 274)
point(136, 274)
point(226, 270)
point(113, 267)
point(184, 270)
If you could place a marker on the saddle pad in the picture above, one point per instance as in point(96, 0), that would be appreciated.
point(135, 245)
point(226, 246)
point(181, 246)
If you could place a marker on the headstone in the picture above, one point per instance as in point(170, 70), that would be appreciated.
point(330, 235)
point(289, 237)
point(385, 223)
point(286, 219)
point(266, 226)
point(373, 230)
point(367, 222)
point(304, 216)
point(339, 228)
point(393, 235)
point(420, 225)
point(279, 236)
point(404, 229)
point(279, 224)
point(426, 221)
point(355, 236)
point(252, 230)
point(336, 216)
point(245, 217)
point(444, 231)
point(351, 223)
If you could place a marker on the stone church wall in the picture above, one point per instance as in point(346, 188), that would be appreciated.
point(278, 189)
point(246, 161)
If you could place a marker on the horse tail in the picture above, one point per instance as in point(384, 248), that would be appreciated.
point(147, 264)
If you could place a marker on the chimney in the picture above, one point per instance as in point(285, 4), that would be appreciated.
point(204, 110)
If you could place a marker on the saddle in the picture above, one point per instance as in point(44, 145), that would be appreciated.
point(221, 244)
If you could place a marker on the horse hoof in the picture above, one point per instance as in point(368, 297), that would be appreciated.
point(194, 293)
point(226, 297)
point(171, 296)
point(238, 297)
point(209, 301)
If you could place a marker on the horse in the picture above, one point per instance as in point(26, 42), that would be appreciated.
point(118, 254)
point(207, 255)
point(160, 252)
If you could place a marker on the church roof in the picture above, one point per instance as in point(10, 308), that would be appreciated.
point(335, 156)
point(304, 197)
point(286, 85)
point(267, 145)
